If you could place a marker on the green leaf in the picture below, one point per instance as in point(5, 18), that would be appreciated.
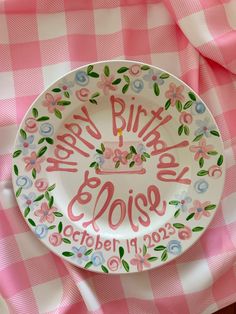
point(143, 158)
point(220, 160)
point(16, 153)
point(31, 222)
point(66, 94)
point(97, 166)
point(132, 149)
point(178, 225)
point(68, 254)
point(116, 82)
point(35, 113)
point(201, 162)
point(106, 70)
point(23, 134)
point(57, 214)
point(127, 79)
point(178, 105)
point(152, 259)
point(215, 133)
point(104, 269)
point(67, 241)
point(210, 207)
point(145, 67)
point(192, 96)
point(160, 248)
point(197, 229)
point(190, 216)
point(164, 76)
point(33, 173)
point(117, 164)
point(144, 250)
point(146, 155)
point(198, 137)
point(121, 252)
point(51, 227)
point(88, 252)
point(186, 130)
point(99, 151)
point(39, 198)
point(89, 68)
point(93, 164)
point(51, 201)
point(63, 103)
point(131, 164)
point(43, 118)
point(125, 88)
point(89, 264)
point(56, 90)
point(102, 147)
point(167, 104)
point(60, 227)
point(156, 89)
point(164, 256)
point(180, 129)
point(26, 212)
point(202, 173)
point(93, 74)
point(16, 170)
point(52, 187)
point(94, 95)
point(49, 140)
point(122, 70)
point(188, 104)
point(18, 192)
point(93, 101)
point(125, 265)
point(42, 151)
point(58, 113)
point(129, 156)
point(174, 202)
point(177, 213)
point(41, 140)
point(212, 153)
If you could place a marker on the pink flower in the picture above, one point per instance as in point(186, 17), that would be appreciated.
point(82, 94)
point(108, 153)
point(51, 103)
point(120, 156)
point(135, 70)
point(31, 125)
point(141, 261)
point(33, 162)
point(137, 159)
point(215, 172)
point(45, 213)
point(185, 118)
point(106, 84)
point(199, 209)
point(201, 150)
point(114, 263)
point(175, 93)
point(55, 239)
point(41, 185)
point(185, 233)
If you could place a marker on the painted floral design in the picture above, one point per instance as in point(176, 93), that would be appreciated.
point(55, 239)
point(83, 94)
point(153, 76)
point(204, 127)
point(80, 256)
point(198, 107)
point(81, 78)
point(41, 184)
point(174, 93)
point(135, 70)
point(97, 258)
point(201, 186)
point(215, 171)
point(185, 233)
point(31, 125)
point(24, 182)
point(183, 201)
point(106, 84)
point(66, 86)
point(174, 247)
point(46, 129)
point(41, 231)
point(201, 149)
point(114, 263)
point(199, 209)
point(33, 162)
point(120, 156)
point(137, 85)
point(45, 213)
point(28, 200)
point(51, 103)
point(185, 118)
point(140, 261)
point(26, 144)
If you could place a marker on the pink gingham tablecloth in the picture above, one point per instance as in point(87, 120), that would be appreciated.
point(42, 40)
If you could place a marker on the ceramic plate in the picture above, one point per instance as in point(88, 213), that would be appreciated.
point(118, 167)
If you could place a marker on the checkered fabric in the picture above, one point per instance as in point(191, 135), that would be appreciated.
point(40, 40)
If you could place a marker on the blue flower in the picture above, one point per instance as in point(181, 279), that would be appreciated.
point(79, 254)
point(174, 247)
point(99, 159)
point(46, 129)
point(26, 144)
point(205, 127)
point(198, 107)
point(24, 182)
point(97, 258)
point(28, 200)
point(141, 149)
point(153, 77)
point(137, 85)
point(81, 78)
point(41, 231)
point(184, 200)
point(201, 186)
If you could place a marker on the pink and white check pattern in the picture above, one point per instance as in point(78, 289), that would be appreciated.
point(42, 40)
